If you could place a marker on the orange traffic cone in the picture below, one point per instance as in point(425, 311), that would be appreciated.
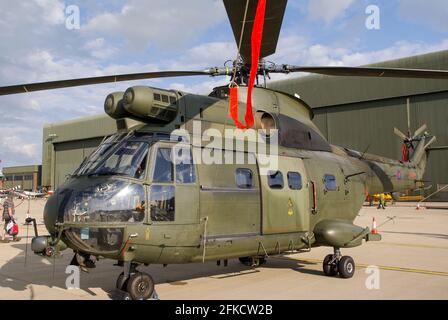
point(374, 229)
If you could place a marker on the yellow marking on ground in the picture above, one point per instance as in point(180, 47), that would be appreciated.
point(363, 265)
point(234, 274)
point(412, 245)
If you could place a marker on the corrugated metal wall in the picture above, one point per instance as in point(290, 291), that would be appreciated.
point(69, 155)
point(66, 144)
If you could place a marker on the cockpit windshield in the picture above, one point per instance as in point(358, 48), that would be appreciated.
point(121, 155)
point(92, 161)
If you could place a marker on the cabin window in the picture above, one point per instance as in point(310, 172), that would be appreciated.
point(275, 179)
point(161, 199)
point(244, 178)
point(294, 181)
point(163, 170)
point(185, 171)
point(330, 182)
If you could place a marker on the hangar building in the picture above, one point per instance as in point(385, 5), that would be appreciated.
point(22, 177)
point(66, 144)
point(357, 113)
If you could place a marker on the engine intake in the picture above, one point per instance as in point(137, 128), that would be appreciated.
point(149, 103)
point(113, 106)
point(143, 104)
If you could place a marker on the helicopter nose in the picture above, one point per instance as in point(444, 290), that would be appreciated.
point(51, 213)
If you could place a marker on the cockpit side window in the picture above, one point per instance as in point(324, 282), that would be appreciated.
point(141, 168)
point(162, 203)
point(185, 170)
point(163, 170)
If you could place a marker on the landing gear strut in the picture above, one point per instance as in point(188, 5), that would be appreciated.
point(82, 260)
point(336, 263)
point(138, 285)
point(252, 261)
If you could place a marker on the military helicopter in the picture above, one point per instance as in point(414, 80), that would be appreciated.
point(133, 201)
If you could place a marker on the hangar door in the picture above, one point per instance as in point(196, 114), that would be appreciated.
point(69, 155)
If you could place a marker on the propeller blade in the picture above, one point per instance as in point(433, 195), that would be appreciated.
point(371, 72)
point(400, 134)
point(419, 131)
point(275, 11)
point(430, 142)
point(31, 87)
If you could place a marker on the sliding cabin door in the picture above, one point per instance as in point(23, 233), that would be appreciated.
point(229, 196)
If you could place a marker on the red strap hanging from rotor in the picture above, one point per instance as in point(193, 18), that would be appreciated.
point(405, 152)
point(257, 36)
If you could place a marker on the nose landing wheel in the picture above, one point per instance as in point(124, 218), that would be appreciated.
point(138, 285)
point(335, 264)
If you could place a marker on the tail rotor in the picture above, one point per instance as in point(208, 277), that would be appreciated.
point(410, 143)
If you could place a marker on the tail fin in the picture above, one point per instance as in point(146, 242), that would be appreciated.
point(415, 146)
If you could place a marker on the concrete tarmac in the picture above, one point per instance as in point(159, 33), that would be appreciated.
point(411, 261)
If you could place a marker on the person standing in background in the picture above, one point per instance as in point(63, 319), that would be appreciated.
point(9, 214)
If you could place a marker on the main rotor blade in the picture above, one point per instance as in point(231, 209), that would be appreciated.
point(275, 11)
point(400, 134)
point(420, 131)
point(372, 72)
point(31, 87)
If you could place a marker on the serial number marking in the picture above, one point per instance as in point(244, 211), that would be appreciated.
point(226, 309)
point(245, 309)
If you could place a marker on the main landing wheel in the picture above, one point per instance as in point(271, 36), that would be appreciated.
point(336, 263)
point(140, 286)
point(346, 267)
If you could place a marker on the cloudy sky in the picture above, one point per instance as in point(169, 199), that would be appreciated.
point(120, 36)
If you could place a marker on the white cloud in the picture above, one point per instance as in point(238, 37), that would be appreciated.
point(16, 147)
point(297, 50)
point(99, 49)
point(210, 54)
point(167, 23)
point(53, 11)
point(328, 10)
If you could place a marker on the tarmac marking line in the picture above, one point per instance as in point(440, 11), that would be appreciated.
point(234, 274)
point(363, 265)
point(412, 245)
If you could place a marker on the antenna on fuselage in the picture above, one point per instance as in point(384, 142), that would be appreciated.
point(364, 153)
